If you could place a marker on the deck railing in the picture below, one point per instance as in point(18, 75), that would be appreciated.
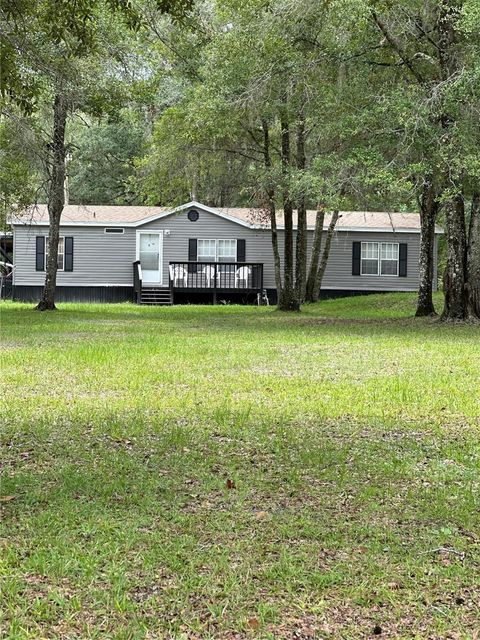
point(213, 276)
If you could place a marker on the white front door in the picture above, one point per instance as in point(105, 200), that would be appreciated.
point(149, 252)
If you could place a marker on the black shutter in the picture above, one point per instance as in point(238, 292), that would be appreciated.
point(402, 260)
point(192, 250)
point(356, 256)
point(40, 254)
point(241, 251)
point(68, 254)
point(192, 255)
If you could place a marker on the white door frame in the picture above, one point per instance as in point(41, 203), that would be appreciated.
point(160, 255)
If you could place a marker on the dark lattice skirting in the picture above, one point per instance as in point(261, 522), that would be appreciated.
point(76, 294)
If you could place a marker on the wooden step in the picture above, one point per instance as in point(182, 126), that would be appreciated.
point(155, 296)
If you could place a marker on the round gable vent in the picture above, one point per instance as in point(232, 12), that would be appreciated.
point(193, 215)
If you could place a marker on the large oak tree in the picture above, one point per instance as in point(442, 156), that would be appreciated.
point(58, 53)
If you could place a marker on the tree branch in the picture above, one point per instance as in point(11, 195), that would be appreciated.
point(398, 47)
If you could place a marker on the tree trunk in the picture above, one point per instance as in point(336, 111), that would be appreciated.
point(473, 260)
point(55, 201)
point(288, 300)
point(428, 216)
point(455, 306)
point(274, 236)
point(271, 209)
point(325, 254)
point(315, 258)
point(301, 244)
point(454, 278)
point(447, 52)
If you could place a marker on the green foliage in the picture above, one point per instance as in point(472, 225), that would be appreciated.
point(90, 53)
point(19, 175)
point(103, 160)
point(42, 36)
point(198, 87)
point(263, 61)
point(469, 21)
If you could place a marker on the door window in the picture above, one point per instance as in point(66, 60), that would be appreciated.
point(149, 251)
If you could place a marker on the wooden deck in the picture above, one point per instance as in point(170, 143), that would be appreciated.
point(215, 279)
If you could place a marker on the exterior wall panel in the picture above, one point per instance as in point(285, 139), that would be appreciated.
point(106, 259)
point(211, 227)
point(99, 258)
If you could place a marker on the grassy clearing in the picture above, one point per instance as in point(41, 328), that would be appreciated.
point(206, 472)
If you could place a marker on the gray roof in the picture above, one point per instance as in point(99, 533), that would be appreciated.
point(93, 215)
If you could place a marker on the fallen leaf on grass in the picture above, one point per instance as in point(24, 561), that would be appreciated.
point(230, 484)
point(261, 515)
point(253, 623)
point(393, 585)
point(7, 498)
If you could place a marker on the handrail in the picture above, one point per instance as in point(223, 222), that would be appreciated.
point(213, 276)
point(6, 278)
point(240, 264)
point(137, 280)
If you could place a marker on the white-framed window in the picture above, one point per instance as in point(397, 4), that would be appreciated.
point(60, 255)
point(369, 259)
point(379, 258)
point(226, 250)
point(216, 250)
point(389, 259)
point(206, 251)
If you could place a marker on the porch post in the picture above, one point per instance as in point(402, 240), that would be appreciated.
point(215, 284)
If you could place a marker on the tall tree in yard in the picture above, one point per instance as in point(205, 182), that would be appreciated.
point(265, 75)
point(55, 197)
point(437, 46)
point(53, 52)
point(473, 258)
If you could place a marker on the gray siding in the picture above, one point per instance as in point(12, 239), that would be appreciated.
point(106, 259)
point(98, 258)
point(338, 274)
point(211, 227)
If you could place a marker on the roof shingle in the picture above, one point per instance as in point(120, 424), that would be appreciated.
point(133, 215)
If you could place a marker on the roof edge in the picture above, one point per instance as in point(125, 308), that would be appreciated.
point(137, 223)
point(197, 205)
point(221, 214)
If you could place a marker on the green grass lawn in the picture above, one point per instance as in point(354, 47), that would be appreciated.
point(233, 472)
